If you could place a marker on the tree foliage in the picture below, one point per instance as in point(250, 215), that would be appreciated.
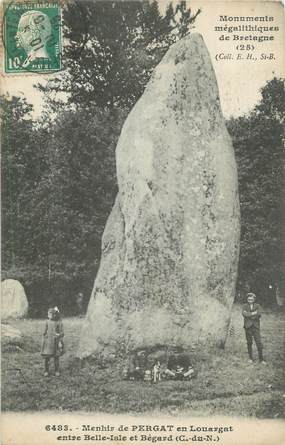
point(20, 172)
point(259, 145)
point(56, 205)
point(113, 48)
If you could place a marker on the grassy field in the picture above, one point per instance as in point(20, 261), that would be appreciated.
point(226, 383)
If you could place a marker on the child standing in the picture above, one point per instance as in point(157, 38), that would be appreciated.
point(52, 345)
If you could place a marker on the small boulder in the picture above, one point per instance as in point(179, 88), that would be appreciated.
point(14, 303)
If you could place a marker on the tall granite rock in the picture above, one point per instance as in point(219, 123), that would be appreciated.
point(170, 246)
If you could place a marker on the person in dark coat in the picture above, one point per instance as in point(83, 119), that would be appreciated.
point(251, 312)
point(52, 345)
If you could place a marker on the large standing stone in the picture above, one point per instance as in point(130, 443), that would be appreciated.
point(170, 246)
point(14, 303)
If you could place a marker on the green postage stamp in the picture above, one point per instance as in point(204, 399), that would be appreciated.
point(32, 36)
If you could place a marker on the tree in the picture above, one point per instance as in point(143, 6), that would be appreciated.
point(259, 145)
point(24, 163)
point(72, 201)
point(20, 172)
point(113, 48)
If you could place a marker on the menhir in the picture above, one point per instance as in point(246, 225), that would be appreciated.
point(171, 243)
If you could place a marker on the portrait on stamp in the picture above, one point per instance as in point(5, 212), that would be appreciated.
point(32, 37)
point(34, 31)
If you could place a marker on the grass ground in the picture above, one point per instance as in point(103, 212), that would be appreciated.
point(226, 384)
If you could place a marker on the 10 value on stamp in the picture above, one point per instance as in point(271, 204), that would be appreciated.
point(32, 37)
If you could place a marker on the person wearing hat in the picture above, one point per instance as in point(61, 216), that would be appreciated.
point(251, 312)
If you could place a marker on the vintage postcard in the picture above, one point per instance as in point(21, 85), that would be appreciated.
point(143, 289)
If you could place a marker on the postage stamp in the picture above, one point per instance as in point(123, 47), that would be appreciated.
point(32, 37)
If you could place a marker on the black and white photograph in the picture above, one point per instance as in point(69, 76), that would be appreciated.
point(143, 215)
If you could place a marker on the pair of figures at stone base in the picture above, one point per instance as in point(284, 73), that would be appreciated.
point(152, 369)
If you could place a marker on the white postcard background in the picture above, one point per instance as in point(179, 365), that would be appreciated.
point(239, 82)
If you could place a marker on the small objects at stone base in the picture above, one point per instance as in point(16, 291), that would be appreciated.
point(125, 374)
point(156, 374)
point(190, 373)
point(179, 367)
point(147, 376)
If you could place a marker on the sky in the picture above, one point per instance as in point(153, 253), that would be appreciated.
point(239, 80)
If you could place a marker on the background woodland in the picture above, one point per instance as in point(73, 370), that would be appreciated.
point(58, 170)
